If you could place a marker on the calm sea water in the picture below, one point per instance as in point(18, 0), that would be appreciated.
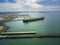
point(49, 26)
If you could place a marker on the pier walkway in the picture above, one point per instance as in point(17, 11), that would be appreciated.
point(17, 33)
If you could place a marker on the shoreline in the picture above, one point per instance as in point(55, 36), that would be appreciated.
point(3, 28)
point(5, 19)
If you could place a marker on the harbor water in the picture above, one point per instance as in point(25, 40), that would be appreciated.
point(49, 26)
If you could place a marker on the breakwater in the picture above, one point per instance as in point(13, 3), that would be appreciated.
point(18, 33)
point(29, 37)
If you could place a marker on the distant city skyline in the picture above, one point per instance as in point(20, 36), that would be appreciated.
point(29, 5)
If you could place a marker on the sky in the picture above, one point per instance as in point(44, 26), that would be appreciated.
point(29, 5)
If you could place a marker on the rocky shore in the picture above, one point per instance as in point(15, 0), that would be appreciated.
point(4, 19)
point(3, 28)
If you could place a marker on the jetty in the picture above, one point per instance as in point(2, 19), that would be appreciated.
point(27, 19)
point(17, 33)
point(29, 37)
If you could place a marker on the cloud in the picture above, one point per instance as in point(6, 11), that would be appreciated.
point(21, 5)
point(33, 4)
point(49, 2)
point(11, 6)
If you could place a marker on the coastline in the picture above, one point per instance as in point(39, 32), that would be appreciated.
point(3, 27)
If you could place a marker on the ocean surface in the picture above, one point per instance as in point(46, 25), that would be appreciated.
point(49, 26)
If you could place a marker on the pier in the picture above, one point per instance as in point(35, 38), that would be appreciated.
point(29, 37)
point(18, 33)
point(32, 19)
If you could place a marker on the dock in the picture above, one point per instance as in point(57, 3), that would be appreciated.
point(32, 19)
point(18, 33)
